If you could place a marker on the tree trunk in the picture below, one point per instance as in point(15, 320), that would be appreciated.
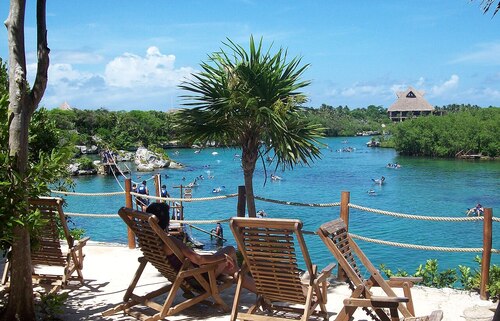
point(249, 157)
point(22, 104)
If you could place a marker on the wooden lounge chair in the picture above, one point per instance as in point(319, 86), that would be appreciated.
point(198, 283)
point(269, 252)
point(354, 263)
point(48, 253)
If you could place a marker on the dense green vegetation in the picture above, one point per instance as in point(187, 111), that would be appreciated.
point(462, 129)
point(454, 128)
point(341, 121)
point(118, 130)
point(129, 130)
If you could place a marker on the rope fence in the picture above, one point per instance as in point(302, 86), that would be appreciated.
point(344, 204)
point(420, 217)
point(182, 199)
point(421, 247)
point(88, 194)
point(296, 203)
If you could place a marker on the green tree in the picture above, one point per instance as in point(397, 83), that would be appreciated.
point(23, 101)
point(250, 99)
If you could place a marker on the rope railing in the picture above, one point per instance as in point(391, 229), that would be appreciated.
point(421, 247)
point(88, 194)
point(181, 199)
point(419, 217)
point(72, 214)
point(296, 203)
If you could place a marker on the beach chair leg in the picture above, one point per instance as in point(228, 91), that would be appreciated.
point(234, 311)
point(346, 313)
point(137, 276)
point(407, 294)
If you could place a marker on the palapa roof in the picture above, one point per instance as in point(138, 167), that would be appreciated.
point(410, 100)
point(65, 106)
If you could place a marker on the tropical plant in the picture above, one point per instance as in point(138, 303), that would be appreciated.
point(469, 279)
point(251, 100)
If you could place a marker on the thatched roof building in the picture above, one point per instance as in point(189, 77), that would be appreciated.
point(410, 103)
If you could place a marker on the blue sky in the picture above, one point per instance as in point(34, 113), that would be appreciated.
point(124, 55)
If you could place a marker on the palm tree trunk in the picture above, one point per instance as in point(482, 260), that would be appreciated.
point(248, 159)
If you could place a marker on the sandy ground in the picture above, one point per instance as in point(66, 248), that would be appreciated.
point(108, 270)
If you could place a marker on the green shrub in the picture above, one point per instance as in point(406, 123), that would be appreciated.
point(468, 278)
point(86, 163)
point(50, 305)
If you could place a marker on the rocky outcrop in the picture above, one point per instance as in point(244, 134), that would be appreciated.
point(84, 150)
point(75, 170)
point(147, 160)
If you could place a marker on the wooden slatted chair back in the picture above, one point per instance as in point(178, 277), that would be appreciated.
point(350, 258)
point(151, 244)
point(268, 247)
point(47, 251)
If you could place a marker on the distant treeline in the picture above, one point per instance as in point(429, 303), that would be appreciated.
point(129, 130)
point(342, 121)
point(455, 128)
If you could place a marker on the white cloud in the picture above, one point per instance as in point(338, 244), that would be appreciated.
point(365, 90)
point(127, 81)
point(446, 86)
point(395, 88)
point(76, 57)
point(152, 70)
point(420, 83)
point(486, 53)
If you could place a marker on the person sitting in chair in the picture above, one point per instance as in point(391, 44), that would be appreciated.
point(229, 266)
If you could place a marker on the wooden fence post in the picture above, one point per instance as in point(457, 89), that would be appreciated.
point(128, 204)
point(487, 243)
point(240, 210)
point(345, 198)
point(157, 187)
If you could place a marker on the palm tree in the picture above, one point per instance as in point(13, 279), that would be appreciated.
point(251, 100)
point(486, 5)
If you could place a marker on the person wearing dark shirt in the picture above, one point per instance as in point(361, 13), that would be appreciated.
point(228, 266)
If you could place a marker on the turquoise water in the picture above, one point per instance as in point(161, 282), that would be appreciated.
point(422, 186)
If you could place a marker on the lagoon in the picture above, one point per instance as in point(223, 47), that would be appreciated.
point(422, 186)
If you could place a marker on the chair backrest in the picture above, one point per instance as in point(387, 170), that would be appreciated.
point(268, 247)
point(151, 240)
point(48, 249)
point(350, 257)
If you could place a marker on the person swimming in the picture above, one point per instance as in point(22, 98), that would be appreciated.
point(379, 181)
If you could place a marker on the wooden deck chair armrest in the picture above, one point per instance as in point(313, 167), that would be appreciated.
point(325, 273)
point(81, 243)
point(398, 281)
point(198, 270)
point(376, 301)
point(389, 300)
